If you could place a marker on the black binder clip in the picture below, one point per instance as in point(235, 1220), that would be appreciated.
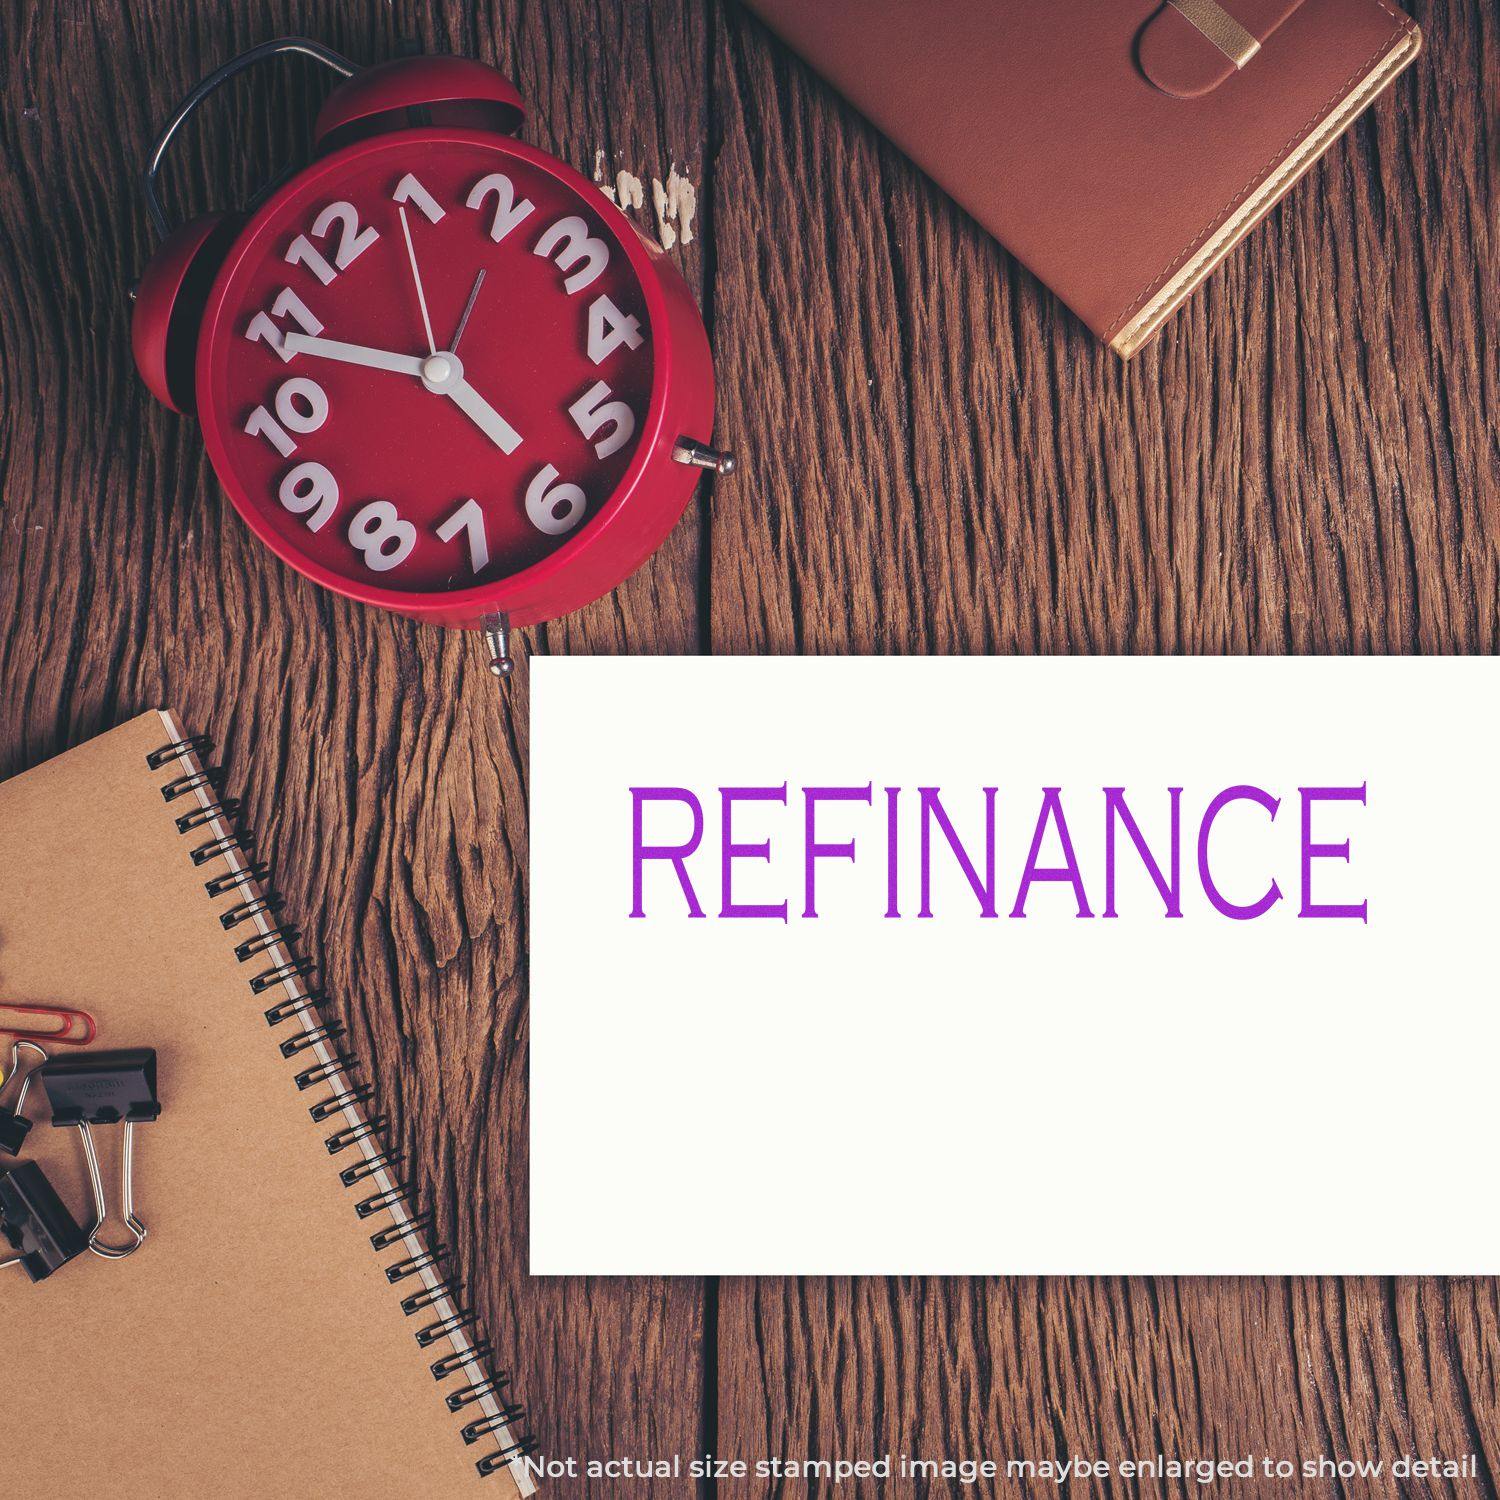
point(36, 1224)
point(106, 1088)
point(14, 1126)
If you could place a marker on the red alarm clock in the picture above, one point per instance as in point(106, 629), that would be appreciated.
point(437, 369)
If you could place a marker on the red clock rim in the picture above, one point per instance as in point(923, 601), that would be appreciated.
point(482, 598)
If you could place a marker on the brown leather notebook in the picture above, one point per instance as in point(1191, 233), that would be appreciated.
point(258, 1343)
point(1118, 148)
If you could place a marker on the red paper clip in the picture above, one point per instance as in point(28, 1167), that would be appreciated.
point(47, 1023)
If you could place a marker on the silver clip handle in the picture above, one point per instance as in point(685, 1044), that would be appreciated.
point(127, 1196)
point(15, 1069)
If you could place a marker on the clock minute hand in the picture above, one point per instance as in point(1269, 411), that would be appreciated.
point(353, 354)
point(416, 276)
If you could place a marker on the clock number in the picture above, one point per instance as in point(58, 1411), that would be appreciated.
point(353, 242)
point(384, 538)
point(508, 213)
point(302, 251)
point(610, 329)
point(469, 518)
point(593, 410)
point(263, 424)
point(409, 190)
point(567, 243)
point(287, 305)
point(300, 405)
point(310, 487)
point(551, 507)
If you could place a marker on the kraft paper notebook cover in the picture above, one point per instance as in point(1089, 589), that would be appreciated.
point(1118, 148)
point(254, 1346)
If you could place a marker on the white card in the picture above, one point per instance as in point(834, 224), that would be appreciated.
point(1294, 1081)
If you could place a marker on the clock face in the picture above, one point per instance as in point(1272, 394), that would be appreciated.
point(428, 364)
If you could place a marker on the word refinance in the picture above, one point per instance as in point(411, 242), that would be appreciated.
point(1052, 857)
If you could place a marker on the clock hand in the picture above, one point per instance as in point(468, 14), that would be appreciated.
point(440, 373)
point(353, 354)
point(416, 277)
point(443, 375)
point(463, 321)
point(483, 415)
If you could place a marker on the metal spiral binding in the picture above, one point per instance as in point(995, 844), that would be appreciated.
point(487, 1385)
point(341, 1062)
point(183, 786)
point(205, 852)
point(367, 1208)
point(178, 750)
point(507, 1416)
point(286, 936)
point(351, 1175)
point(449, 1287)
point(470, 1359)
point(384, 1239)
point(257, 906)
point(298, 969)
point(336, 1104)
point(414, 1265)
point(227, 809)
point(492, 1463)
point(330, 1032)
point(351, 1135)
point(434, 1332)
point(465, 1359)
point(298, 1005)
point(236, 880)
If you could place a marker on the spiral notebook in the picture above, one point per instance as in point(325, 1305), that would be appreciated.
point(287, 1329)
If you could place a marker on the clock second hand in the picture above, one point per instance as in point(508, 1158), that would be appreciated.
point(463, 319)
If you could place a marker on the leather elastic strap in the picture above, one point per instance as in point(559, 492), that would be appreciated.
point(1220, 28)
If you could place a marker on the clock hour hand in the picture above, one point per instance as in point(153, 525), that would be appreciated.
point(443, 374)
point(353, 354)
point(484, 416)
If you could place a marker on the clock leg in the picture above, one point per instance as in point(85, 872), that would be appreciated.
point(701, 456)
point(497, 637)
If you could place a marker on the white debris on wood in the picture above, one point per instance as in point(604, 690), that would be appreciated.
point(631, 191)
point(676, 203)
point(627, 189)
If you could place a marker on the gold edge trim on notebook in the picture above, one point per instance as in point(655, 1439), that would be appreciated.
point(292, 988)
point(1143, 327)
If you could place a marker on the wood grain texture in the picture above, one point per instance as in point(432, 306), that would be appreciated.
point(935, 458)
point(1306, 461)
point(1309, 460)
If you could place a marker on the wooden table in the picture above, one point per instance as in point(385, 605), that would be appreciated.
point(935, 458)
